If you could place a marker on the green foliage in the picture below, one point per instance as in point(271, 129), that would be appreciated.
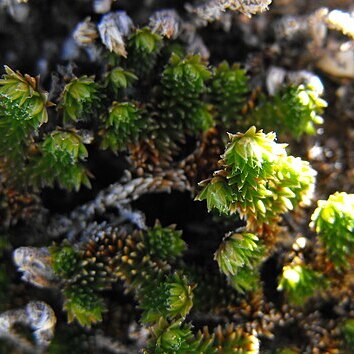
point(57, 157)
point(84, 305)
point(122, 126)
point(185, 78)
point(79, 99)
point(245, 280)
point(218, 195)
point(145, 41)
point(143, 48)
point(293, 110)
point(229, 88)
point(164, 242)
point(170, 297)
point(237, 251)
point(22, 111)
point(61, 154)
point(64, 147)
point(333, 220)
point(258, 179)
point(139, 259)
point(180, 293)
point(23, 92)
point(238, 257)
point(84, 272)
point(296, 183)
point(118, 79)
point(175, 337)
point(348, 333)
point(65, 261)
point(184, 83)
point(299, 282)
point(137, 266)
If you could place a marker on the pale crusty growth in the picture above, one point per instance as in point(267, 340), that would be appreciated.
point(248, 7)
point(113, 28)
point(119, 196)
point(85, 33)
point(39, 317)
point(167, 23)
point(212, 10)
point(278, 76)
point(35, 265)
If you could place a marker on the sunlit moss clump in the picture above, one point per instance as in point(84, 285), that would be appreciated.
point(258, 179)
point(333, 220)
point(299, 282)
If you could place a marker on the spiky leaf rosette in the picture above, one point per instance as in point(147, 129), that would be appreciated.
point(84, 305)
point(247, 279)
point(247, 167)
point(184, 78)
point(229, 87)
point(22, 111)
point(122, 126)
point(333, 220)
point(296, 183)
point(143, 48)
point(118, 79)
point(299, 282)
point(101, 252)
point(237, 251)
point(169, 296)
point(165, 242)
point(140, 259)
point(293, 110)
point(160, 142)
point(258, 179)
point(145, 264)
point(175, 337)
point(65, 260)
point(61, 155)
point(79, 99)
point(184, 82)
point(218, 195)
point(110, 254)
point(181, 113)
